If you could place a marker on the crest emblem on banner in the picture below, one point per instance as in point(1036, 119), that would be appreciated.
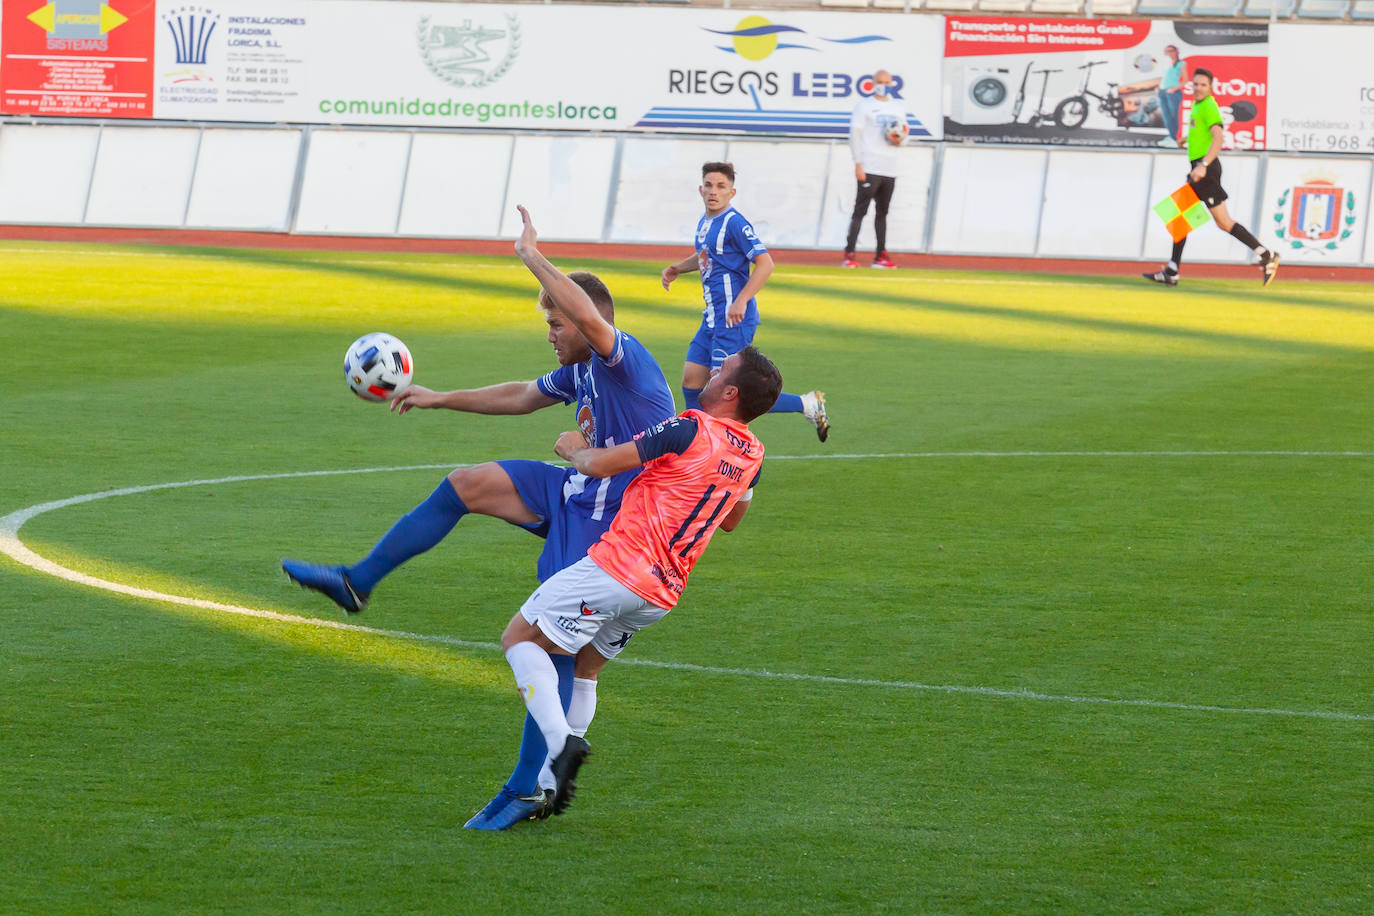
point(1316, 214)
point(467, 55)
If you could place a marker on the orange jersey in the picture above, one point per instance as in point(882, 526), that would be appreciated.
point(670, 511)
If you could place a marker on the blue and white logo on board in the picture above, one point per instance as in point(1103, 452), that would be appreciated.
point(190, 28)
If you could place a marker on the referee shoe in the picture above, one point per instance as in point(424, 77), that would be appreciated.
point(1269, 266)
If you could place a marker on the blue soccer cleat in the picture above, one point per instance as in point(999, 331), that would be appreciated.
point(508, 809)
point(330, 581)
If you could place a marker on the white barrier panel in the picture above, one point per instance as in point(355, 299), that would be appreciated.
point(352, 182)
point(45, 173)
point(564, 182)
point(142, 177)
point(1240, 178)
point(989, 201)
point(244, 180)
point(1094, 204)
point(656, 199)
point(1315, 211)
point(906, 220)
point(780, 189)
point(455, 185)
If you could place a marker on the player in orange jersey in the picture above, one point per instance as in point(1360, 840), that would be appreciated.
point(700, 468)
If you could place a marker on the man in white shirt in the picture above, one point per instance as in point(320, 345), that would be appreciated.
point(875, 164)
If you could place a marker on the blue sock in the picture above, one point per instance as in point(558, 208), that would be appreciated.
point(414, 533)
point(788, 403)
point(524, 779)
point(690, 399)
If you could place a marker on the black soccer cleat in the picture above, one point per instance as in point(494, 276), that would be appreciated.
point(1269, 266)
point(1162, 276)
point(565, 767)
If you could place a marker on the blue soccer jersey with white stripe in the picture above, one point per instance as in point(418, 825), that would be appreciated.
point(616, 399)
point(726, 247)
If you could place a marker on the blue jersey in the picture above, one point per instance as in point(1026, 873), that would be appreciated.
point(616, 398)
point(726, 247)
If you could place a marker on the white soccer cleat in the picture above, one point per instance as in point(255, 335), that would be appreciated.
point(813, 408)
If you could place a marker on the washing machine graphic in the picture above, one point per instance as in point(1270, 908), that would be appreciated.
point(980, 93)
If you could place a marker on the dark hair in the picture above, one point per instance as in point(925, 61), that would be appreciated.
point(1203, 71)
point(591, 285)
point(725, 168)
point(759, 383)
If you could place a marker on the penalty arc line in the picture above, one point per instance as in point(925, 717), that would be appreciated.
point(18, 551)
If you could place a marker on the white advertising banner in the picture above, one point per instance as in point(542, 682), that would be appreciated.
point(1315, 211)
point(502, 66)
point(1323, 88)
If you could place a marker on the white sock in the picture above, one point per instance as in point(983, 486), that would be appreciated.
point(580, 713)
point(583, 706)
point(1171, 267)
point(537, 681)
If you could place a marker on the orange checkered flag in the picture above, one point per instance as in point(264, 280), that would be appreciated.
point(1182, 212)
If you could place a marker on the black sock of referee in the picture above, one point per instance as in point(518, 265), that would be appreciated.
point(1175, 257)
point(1247, 239)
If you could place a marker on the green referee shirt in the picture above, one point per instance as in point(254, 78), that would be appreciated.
point(1205, 114)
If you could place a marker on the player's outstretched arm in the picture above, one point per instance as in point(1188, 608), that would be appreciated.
point(567, 295)
point(506, 398)
point(673, 271)
point(596, 462)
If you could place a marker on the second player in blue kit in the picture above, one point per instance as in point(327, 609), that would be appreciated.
point(726, 250)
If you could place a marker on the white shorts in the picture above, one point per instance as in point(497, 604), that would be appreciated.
point(584, 604)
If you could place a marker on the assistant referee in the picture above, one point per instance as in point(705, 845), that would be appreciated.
point(1205, 136)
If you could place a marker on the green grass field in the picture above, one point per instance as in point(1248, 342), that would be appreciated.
point(1071, 614)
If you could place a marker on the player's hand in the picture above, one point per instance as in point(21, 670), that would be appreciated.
point(860, 174)
point(571, 441)
point(528, 237)
point(412, 397)
point(735, 313)
point(1198, 173)
point(669, 275)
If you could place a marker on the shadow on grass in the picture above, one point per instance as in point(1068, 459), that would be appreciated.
point(926, 302)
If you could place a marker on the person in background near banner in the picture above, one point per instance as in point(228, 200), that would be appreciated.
point(875, 165)
point(1171, 96)
point(1205, 136)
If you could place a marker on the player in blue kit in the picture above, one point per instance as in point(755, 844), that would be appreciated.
point(726, 246)
point(617, 389)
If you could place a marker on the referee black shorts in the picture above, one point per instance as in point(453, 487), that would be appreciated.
point(1209, 189)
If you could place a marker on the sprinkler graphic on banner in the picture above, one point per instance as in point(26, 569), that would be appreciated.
point(466, 55)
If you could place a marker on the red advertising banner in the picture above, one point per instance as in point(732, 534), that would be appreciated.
point(89, 58)
point(1100, 82)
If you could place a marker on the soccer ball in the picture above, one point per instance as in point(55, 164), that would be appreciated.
point(378, 367)
point(896, 132)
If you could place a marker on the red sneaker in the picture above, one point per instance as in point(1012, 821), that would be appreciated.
point(884, 262)
point(849, 261)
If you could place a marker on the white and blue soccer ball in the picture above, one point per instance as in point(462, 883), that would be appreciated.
point(895, 131)
point(378, 367)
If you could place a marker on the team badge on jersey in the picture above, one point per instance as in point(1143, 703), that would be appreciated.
point(587, 611)
point(587, 423)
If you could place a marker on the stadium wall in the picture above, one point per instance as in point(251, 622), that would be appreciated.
point(179, 117)
point(952, 199)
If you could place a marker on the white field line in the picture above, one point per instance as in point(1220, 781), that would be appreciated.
point(14, 548)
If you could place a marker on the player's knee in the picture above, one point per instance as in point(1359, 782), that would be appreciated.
point(471, 484)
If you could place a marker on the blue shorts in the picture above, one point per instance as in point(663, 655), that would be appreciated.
point(567, 531)
point(710, 346)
